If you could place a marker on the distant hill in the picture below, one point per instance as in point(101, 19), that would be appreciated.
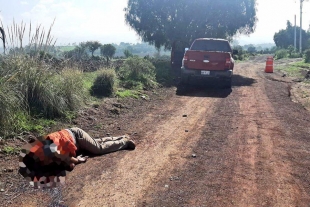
point(265, 45)
point(141, 49)
point(260, 46)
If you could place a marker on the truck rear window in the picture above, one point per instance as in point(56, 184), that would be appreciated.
point(211, 45)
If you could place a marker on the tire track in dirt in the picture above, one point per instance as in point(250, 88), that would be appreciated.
point(262, 178)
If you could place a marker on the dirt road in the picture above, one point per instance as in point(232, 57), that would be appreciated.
point(201, 146)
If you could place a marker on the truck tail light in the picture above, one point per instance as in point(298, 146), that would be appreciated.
point(185, 60)
point(228, 62)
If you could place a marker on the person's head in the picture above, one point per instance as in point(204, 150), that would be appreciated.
point(40, 160)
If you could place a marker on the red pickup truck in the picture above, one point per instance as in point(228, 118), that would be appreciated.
point(209, 59)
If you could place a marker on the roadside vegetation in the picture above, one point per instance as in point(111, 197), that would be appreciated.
point(41, 86)
point(284, 40)
point(296, 69)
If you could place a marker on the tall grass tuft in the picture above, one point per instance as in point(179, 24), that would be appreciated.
point(11, 106)
point(30, 86)
point(38, 39)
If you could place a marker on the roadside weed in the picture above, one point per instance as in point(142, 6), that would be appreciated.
point(294, 69)
point(11, 150)
point(127, 94)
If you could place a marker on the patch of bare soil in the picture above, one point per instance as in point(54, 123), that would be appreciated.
point(196, 146)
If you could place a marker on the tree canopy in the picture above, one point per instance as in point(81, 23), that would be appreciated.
point(108, 51)
point(163, 22)
point(285, 37)
point(92, 46)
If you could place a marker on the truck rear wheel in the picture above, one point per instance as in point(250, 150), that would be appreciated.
point(227, 83)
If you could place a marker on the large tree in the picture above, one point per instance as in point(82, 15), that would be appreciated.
point(285, 37)
point(163, 22)
point(108, 51)
point(92, 46)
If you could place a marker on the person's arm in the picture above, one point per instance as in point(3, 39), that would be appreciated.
point(79, 159)
point(76, 160)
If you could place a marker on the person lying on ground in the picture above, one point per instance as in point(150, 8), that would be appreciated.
point(45, 160)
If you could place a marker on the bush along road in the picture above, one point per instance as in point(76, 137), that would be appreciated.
point(196, 146)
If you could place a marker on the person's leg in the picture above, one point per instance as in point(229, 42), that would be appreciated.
point(105, 139)
point(89, 144)
point(125, 138)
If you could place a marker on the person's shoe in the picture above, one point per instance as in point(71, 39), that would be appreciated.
point(131, 145)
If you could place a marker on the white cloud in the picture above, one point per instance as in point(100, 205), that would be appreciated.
point(272, 17)
point(24, 3)
point(104, 22)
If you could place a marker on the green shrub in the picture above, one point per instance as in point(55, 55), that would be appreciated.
point(236, 57)
point(137, 72)
point(282, 53)
point(295, 55)
point(162, 68)
point(105, 83)
point(307, 56)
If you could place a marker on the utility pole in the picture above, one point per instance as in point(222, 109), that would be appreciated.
point(300, 37)
point(295, 35)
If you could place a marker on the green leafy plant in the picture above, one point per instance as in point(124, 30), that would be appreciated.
point(105, 83)
point(127, 94)
point(127, 53)
point(290, 50)
point(11, 150)
point(162, 68)
point(138, 73)
point(282, 53)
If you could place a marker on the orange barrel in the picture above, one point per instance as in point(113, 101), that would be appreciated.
point(269, 65)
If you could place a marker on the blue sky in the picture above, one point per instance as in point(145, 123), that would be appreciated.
point(103, 20)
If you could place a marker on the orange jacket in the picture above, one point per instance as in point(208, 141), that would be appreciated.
point(64, 142)
point(62, 139)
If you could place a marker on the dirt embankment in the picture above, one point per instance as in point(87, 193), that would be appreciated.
point(196, 146)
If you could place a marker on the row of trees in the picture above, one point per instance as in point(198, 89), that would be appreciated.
point(80, 51)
